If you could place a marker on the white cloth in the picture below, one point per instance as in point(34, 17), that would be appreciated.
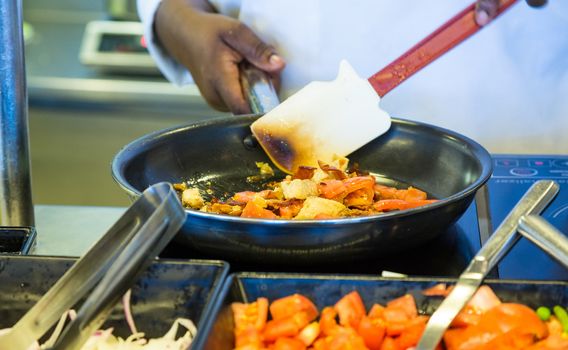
point(506, 87)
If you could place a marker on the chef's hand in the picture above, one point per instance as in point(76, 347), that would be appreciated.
point(485, 10)
point(211, 46)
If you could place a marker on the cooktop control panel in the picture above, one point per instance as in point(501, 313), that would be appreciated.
point(512, 177)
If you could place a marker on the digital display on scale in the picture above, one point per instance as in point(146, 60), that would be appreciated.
point(122, 43)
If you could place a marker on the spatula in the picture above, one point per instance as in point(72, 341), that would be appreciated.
point(328, 119)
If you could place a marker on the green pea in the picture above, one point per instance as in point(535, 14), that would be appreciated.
point(562, 316)
point(543, 313)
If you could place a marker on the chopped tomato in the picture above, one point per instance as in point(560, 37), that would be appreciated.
point(376, 311)
point(493, 324)
point(552, 342)
point(507, 316)
point(440, 289)
point(516, 338)
point(372, 330)
point(346, 339)
point(468, 316)
point(389, 343)
point(252, 210)
point(251, 337)
point(484, 299)
point(288, 344)
point(399, 314)
point(285, 327)
point(350, 309)
point(397, 326)
point(328, 324)
point(290, 305)
point(252, 314)
point(412, 333)
point(309, 334)
point(405, 303)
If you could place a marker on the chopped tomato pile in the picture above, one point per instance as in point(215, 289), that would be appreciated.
point(294, 323)
point(330, 191)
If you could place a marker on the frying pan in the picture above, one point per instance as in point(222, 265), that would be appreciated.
point(220, 154)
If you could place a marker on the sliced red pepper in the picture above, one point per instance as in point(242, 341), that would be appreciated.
point(253, 210)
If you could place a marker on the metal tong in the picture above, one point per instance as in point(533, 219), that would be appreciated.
point(539, 231)
point(501, 241)
point(104, 273)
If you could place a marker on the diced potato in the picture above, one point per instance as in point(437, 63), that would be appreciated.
point(265, 169)
point(300, 189)
point(340, 162)
point(192, 198)
point(259, 201)
point(319, 176)
point(314, 206)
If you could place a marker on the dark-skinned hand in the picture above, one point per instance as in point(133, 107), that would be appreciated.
point(211, 46)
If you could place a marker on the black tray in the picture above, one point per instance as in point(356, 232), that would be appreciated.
point(325, 290)
point(167, 290)
point(16, 240)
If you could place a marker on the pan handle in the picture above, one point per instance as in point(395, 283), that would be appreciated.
point(258, 89)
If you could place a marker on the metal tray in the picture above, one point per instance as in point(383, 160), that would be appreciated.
point(325, 290)
point(16, 240)
point(167, 290)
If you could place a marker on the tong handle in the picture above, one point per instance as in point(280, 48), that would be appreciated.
point(539, 195)
point(539, 231)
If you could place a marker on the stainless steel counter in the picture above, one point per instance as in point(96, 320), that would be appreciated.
point(71, 230)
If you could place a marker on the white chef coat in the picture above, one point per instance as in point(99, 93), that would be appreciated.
point(506, 87)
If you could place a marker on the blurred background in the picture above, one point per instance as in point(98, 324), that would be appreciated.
point(92, 89)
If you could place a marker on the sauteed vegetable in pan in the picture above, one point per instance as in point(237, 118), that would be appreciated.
point(218, 156)
point(328, 192)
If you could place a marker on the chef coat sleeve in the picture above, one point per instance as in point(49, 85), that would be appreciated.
point(170, 68)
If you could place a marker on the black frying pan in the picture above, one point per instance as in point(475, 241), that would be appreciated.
point(220, 152)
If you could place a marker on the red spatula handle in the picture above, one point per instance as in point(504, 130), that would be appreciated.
point(453, 32)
